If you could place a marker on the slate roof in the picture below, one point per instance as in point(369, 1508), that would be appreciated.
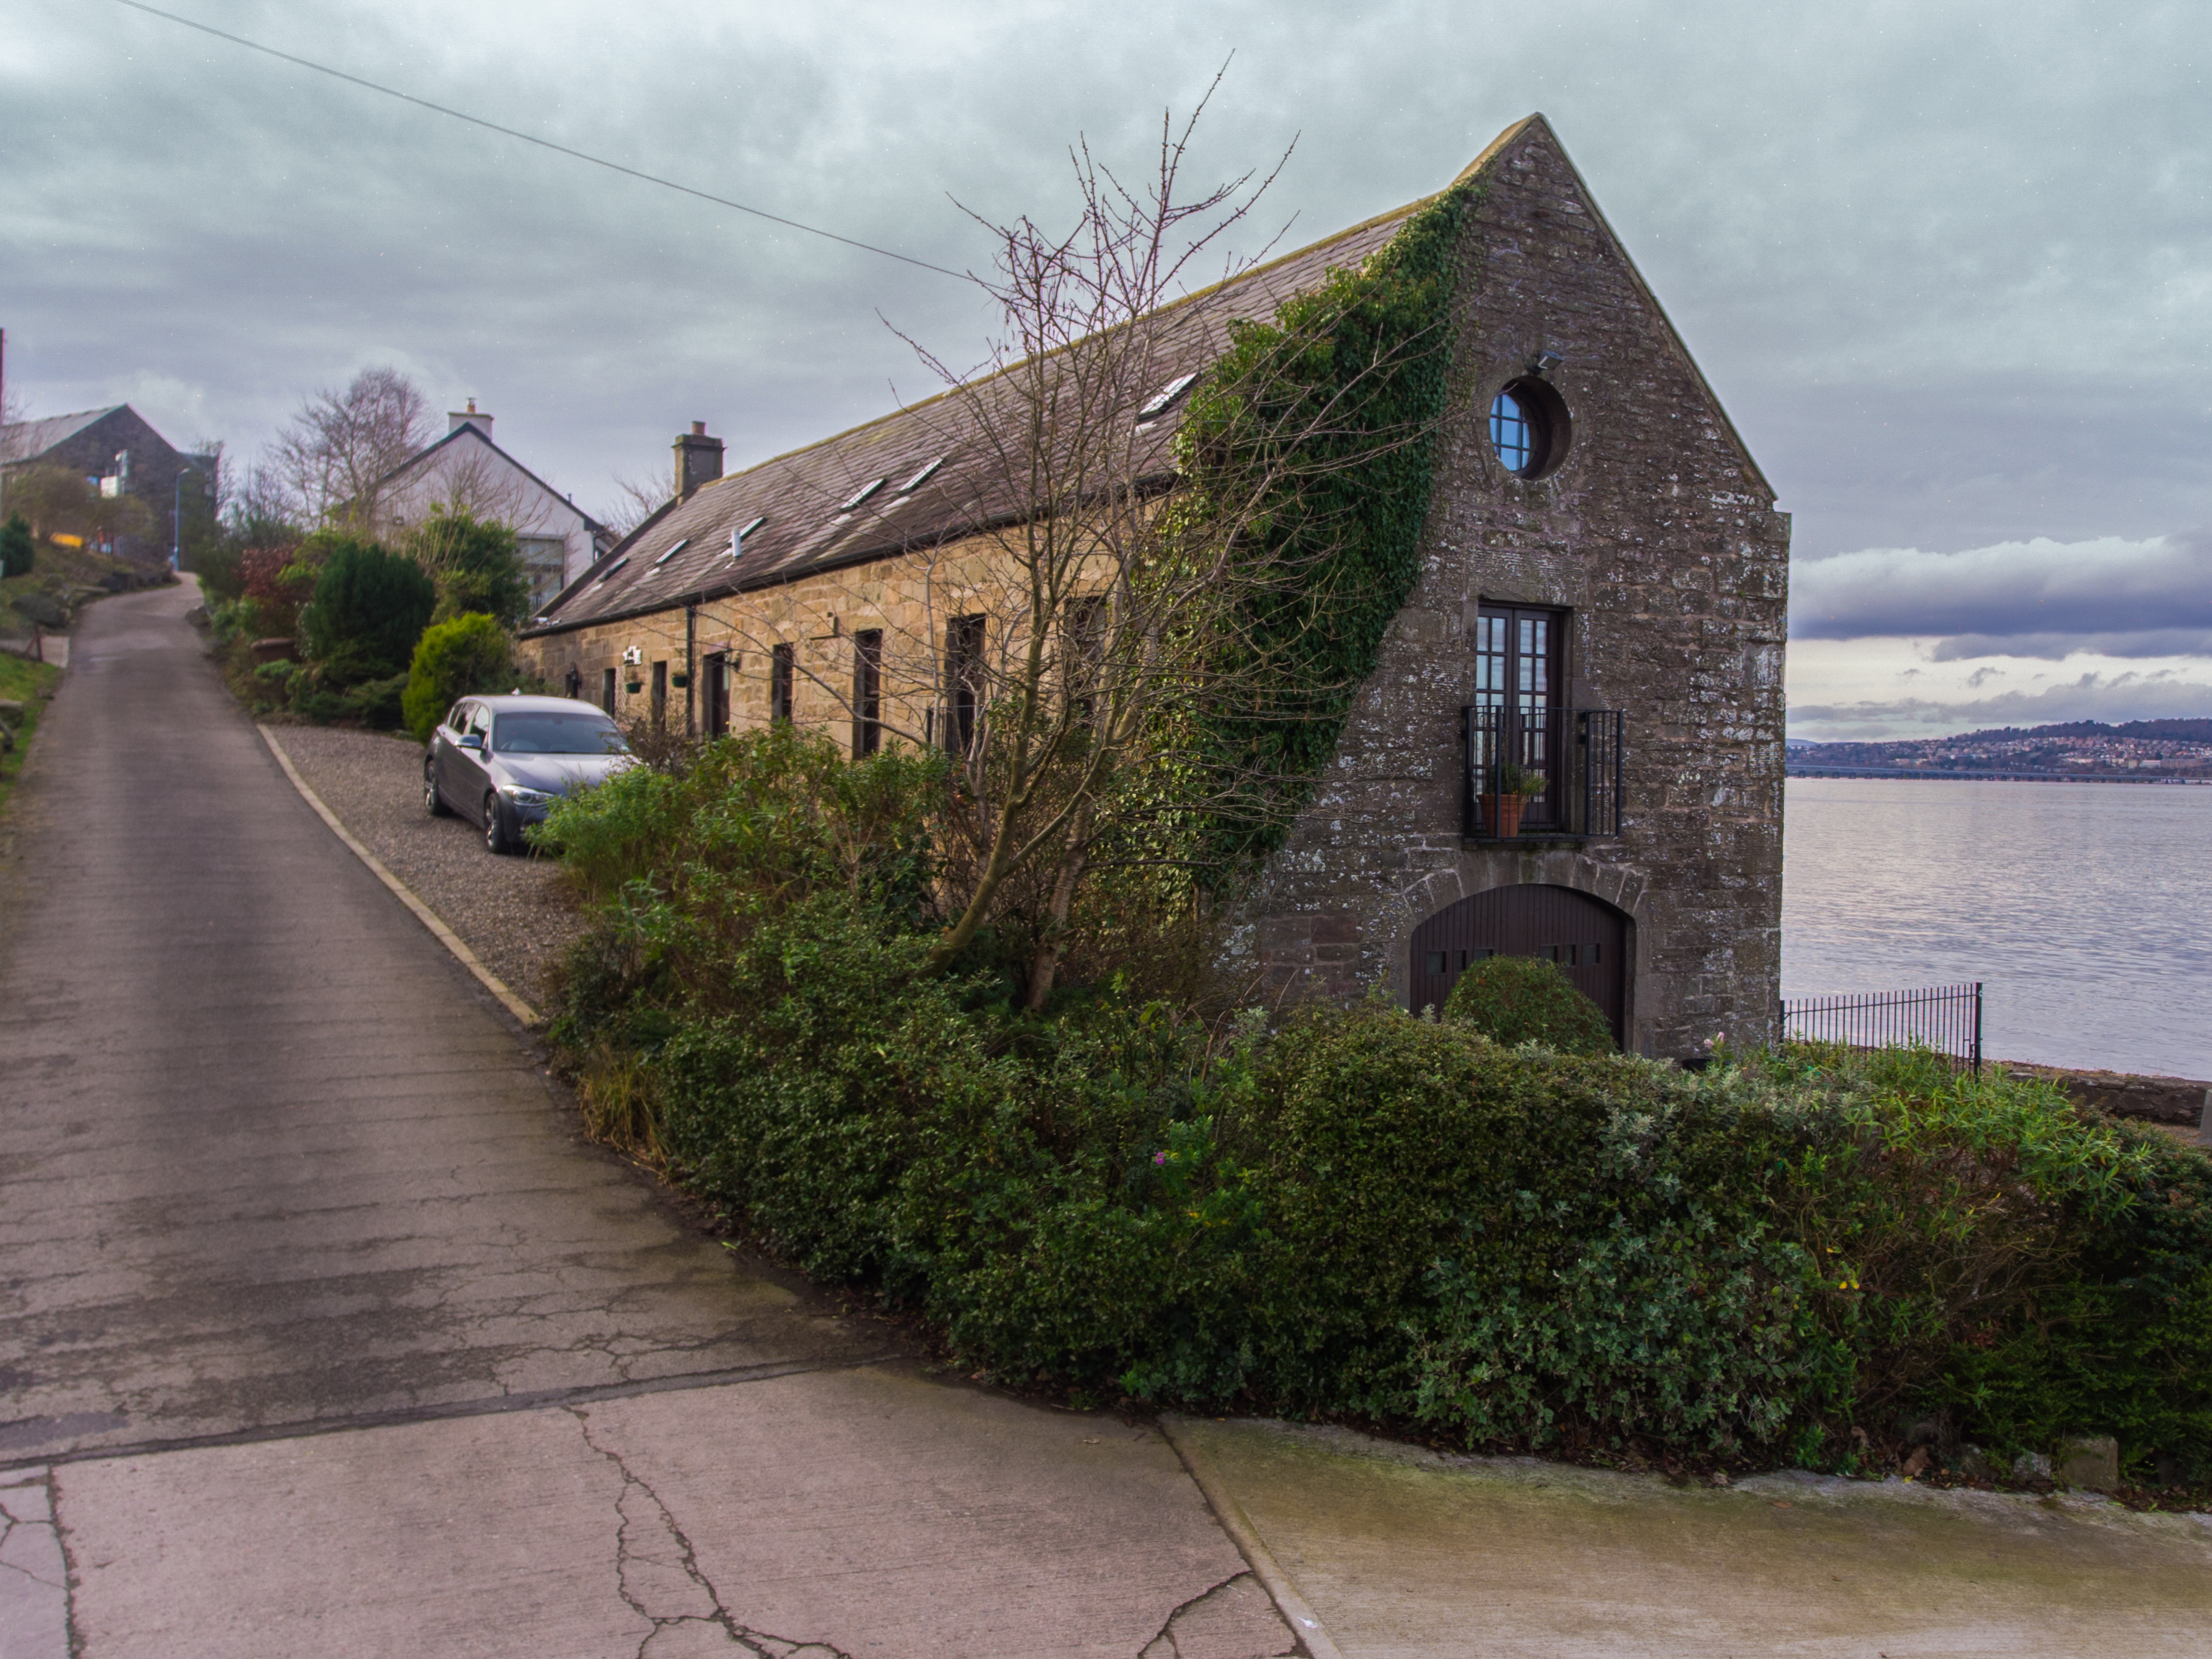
point(28, 440)
point(789, 507)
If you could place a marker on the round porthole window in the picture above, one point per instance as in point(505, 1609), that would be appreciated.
point(1529, 428)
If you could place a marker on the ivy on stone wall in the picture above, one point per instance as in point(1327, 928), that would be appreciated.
point(1356, 375)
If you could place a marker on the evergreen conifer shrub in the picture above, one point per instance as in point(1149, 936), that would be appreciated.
point(370, 607)
point(1513, 999)
point(16, 553)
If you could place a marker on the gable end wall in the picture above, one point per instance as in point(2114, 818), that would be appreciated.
point(1661, 538)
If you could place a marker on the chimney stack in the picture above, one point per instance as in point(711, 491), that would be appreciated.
point(456, 419)
point(698, 460)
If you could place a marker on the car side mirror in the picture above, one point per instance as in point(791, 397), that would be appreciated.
point(472, 740)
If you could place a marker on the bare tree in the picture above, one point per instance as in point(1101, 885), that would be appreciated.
point(332, 456)
point(635, 502)
point(1108, 592)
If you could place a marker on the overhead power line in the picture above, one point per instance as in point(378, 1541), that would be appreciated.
point(532, 138)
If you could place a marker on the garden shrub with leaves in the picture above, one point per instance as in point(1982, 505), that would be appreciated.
point(1521, 1000)
point(1359, 1212)
point(465, 654)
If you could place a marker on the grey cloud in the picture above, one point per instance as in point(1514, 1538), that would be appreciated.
point(2024, 597)
point(1942, 270)
point(2111, 698)
point(2151, 643)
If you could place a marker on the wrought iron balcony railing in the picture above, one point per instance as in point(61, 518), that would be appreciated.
point(1576, 751)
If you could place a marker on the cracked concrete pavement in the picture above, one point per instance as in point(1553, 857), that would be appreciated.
point(324, 1331)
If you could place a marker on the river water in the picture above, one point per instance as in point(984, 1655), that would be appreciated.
point(2086, 909)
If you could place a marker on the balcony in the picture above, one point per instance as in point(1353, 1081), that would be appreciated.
point(1578, 751)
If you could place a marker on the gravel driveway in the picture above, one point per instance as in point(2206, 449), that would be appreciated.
point(516, 914)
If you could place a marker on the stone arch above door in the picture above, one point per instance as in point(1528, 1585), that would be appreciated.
point(1586, 938)
point(1623, 887)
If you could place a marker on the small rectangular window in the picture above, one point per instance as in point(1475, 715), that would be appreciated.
point(963, 681)
point(1437, 962)
point(867, 691)
point(920, 478)
point(674, 548)
point(718, 693)
point(1158, 403)
point(783, 668)
point(1083, 647)
point(859, 495)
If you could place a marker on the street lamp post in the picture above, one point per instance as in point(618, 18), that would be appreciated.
point(177, 519)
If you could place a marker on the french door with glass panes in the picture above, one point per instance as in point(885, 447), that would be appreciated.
point(1517, 657)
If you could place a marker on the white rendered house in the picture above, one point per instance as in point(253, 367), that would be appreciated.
point(466, 470)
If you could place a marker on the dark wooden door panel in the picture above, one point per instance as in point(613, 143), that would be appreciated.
point(1588, 939)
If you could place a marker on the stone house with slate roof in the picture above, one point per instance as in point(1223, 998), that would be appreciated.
point(1602, 593)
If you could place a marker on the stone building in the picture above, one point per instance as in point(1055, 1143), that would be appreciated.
point(1601, 597)
point(117, 450)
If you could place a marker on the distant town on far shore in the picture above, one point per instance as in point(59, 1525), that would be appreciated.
point(2138, 751)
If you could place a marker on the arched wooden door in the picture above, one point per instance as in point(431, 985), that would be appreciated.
point(1587, 937)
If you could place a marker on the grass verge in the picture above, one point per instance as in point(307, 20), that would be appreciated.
point(31, 684)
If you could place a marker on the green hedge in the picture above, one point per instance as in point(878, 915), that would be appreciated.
point(1362, 1212)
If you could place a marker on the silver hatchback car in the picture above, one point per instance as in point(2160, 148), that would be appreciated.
point(503, 762)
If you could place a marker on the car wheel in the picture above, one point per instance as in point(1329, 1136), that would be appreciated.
point(432, 802)
point(496, 840)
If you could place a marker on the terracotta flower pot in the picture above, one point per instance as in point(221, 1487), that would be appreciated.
point(1502, 813)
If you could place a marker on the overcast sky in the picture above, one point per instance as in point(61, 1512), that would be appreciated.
point(1949, 267)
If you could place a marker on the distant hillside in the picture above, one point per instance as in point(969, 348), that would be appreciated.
point(2186, 730)
point(2133, 748)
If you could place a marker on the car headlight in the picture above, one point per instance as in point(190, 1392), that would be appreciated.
point(521, 796)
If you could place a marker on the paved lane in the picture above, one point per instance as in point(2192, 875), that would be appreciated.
point(269, 1157)
point(321, 1330)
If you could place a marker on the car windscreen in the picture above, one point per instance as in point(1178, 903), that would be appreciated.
point(553, 732)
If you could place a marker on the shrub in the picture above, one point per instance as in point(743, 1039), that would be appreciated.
point(452, 659)
point(1362, 1212)
point(1522, 999)
point(476, 565)
point(369, 608)
point(16, 553)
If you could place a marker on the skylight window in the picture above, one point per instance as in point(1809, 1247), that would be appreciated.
point(675, 547)
point(610, 570)
point(920, 478)
point(737, 537)
point(1160, 401)
point(862, 494)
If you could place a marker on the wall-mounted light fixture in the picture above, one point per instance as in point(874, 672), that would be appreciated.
point(1545, 363)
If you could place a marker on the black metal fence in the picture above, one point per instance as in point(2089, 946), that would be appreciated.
point(1945, 1017)
point(1578, 751)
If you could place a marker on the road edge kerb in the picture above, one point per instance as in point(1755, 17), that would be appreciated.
point(1314, 1639)
point(424, 913)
